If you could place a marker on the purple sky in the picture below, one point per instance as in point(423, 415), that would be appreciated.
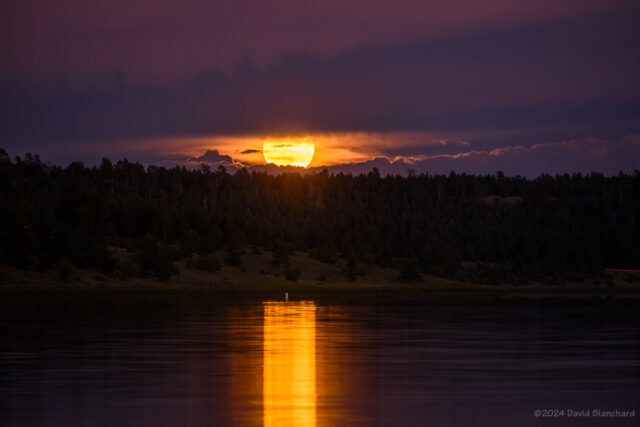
point(437, 86)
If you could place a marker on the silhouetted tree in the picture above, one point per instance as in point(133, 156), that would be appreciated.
point(487, 228)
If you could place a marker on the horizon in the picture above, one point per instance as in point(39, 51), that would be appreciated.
point(386, 166)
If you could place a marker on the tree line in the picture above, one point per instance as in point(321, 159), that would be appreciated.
point(490, 228)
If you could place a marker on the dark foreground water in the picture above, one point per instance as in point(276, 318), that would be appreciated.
point(194, 361)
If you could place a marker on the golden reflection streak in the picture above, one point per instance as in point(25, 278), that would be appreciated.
point(289, 373)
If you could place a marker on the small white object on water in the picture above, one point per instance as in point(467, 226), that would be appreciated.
point(286, 296)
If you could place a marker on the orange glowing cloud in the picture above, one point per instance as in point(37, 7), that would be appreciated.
point(305, 150)
point(321, 149)
point(299, 150)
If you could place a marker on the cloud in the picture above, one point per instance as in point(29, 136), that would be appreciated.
point(531, 80)
point(160, 40)
point(446, 142)
point(422, 84)
point(212, 156)
point(579, 155)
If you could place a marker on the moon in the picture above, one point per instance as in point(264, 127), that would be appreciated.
point(288, 152)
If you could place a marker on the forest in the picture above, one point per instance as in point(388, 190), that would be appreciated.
point(486, 229)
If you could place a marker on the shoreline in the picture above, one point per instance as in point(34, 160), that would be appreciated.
point(297, 291)
point(258, 277)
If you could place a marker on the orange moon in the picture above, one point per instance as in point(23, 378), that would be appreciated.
point(289, 152)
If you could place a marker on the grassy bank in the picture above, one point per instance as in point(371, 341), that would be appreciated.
point(258, 276)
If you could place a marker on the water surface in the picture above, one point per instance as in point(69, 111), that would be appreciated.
point(197, 361)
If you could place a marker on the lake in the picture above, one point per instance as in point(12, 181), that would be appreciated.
point(200, 361)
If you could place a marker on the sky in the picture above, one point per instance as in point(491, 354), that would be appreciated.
point(521, 86)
